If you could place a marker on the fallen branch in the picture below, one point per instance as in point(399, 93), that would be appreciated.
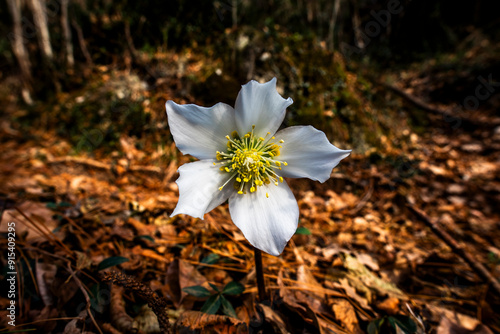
point(466, 256)
point(447, 115)
point(91, 163)
point(417, 102)
point(146, 170)
point(82, 161)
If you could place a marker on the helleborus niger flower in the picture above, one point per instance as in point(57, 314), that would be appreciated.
point(244, 160)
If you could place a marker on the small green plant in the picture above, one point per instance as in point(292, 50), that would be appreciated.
point(111, 262)
point(217, 300)
point(384, 325)
point(493, 258)
point(303, 230)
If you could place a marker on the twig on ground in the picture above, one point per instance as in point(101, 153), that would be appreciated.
point(82, 161)
point(86, 295)
point(364, 200)
point(466, 256)
point(447, 115)
point(51, 237)
point(110, 329)
point(90, 163)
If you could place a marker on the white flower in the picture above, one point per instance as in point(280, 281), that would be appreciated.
point(244, 159)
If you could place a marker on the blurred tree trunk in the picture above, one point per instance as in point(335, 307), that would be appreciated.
point(130, 40)
point(333, 21)
point(477, 11)
point(300, 10)
point(17, 40)
point(320, 18)
point(310, 11)
point(234, 13)
point(356, 23)
point(40, 18)
point(234, 18)
point(68, 45)
point(81, 42)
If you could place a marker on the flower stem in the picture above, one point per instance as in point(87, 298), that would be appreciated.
point(260, 275)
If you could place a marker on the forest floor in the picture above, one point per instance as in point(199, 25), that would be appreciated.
point(368, 256)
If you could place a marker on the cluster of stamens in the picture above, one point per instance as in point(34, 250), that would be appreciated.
point(250, 161)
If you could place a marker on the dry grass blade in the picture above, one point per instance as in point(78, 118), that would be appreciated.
point(48, 234)
point(86, 295)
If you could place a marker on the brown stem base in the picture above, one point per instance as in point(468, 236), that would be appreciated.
point(260, 275)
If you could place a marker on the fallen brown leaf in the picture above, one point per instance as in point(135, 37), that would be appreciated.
point(198, 323)
point(389, 305)
point(345, 313)
point(446, 326)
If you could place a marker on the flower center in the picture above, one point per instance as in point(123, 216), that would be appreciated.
point(250, 161)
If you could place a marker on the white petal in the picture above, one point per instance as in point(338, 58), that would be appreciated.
point(260, 105)
point(308, 153)
point(199, 192)
point(267, 223)
point(200, 131)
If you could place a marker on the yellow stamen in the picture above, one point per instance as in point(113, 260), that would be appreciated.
point(251, 161)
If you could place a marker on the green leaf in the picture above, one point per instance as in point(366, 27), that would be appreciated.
point(55, 206)
point(111, 261)
point(212, 304)
point(210, 258)
point(233, 288)
point(405, 323)
point(96, 300)
point(227, 308)
point(51, 205)
point(214, 287)
point(493, 258)
point(147, 237)
point(303, 230)
point(374, 326)
point(197, 291)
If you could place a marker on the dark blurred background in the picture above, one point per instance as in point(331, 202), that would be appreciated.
point(332, 57)
point(412, 87)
